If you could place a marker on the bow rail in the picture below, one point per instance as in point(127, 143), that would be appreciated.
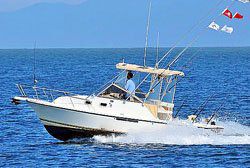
point(42, 93)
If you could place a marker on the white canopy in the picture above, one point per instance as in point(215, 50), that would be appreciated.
point(133, 67)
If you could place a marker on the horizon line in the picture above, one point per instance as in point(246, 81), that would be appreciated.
point(120, 47)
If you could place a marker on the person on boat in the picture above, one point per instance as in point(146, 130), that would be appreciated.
point(130, 85)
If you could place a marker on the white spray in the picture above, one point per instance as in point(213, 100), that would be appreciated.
point(177, 134)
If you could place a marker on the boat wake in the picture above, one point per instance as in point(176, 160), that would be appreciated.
point(177, 134)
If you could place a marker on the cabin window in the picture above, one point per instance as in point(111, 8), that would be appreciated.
point(114, 91)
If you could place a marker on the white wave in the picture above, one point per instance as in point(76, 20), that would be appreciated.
point(176, 134)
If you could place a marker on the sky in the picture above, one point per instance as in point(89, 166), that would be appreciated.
point(12, 5)
point(119, 23)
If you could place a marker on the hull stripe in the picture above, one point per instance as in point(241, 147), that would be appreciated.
point(80, 128)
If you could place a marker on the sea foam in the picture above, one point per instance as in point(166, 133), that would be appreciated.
point(177, 134)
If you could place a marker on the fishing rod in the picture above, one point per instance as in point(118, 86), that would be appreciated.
point(211, 118)
point(179, 109)
point(197, 113)
point(217, 110)
point(202, 107)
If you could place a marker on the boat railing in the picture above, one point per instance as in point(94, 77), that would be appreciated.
point(42, 93)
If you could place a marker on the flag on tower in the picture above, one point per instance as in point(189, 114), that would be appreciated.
point(214, 26)
point(227, 13)
point(238, 16)
point(227, 29)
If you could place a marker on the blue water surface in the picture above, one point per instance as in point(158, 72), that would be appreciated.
point(24, 141)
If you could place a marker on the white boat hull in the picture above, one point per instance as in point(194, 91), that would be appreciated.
point(68, 123)
point(68, 118)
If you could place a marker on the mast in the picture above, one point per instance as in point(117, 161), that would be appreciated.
point(147, 31)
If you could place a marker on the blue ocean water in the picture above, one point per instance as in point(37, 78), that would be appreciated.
point(226, 71)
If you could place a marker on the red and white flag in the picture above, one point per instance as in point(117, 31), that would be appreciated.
point(227, 13)
point(238, 16)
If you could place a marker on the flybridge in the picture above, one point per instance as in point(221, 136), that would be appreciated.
point(138, 68)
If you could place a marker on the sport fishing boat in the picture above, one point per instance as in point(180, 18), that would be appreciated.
point(108, 113)
point(113, 110)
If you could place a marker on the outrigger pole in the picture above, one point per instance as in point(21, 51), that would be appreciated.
point(190, 60)
point(180, 54)
point(184, 36)
point(193, 56)
point(183, 67)
point(190, 30)
point(147, 32)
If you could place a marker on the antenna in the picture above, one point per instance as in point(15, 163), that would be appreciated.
point(146, 41)
point(34, 65)
point(157, 50)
